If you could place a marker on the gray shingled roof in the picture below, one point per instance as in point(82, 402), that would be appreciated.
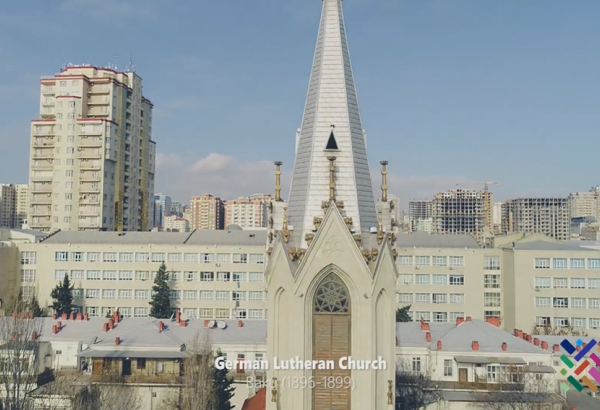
point(548, 246)
point(198, 237)
point(143, 332)
point(458, 338)
point(427, 240)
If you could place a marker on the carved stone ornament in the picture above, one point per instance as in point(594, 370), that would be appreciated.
point(325, 206)
point(366, 254)
point(271, 222)
point(309, 238)
point(391, 237)
point(270, 237)
point(379, 237)
point(317, 222)
point(339, 204)
point(293, 255)
point(348, 222)
point(358, 239)
point(390, 395)
point(332, 248)
point(301, 253)
point(374, 254)
point(395, 253)
point(274, 390)
point(269, 251)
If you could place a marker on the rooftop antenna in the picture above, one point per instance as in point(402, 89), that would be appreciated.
point(116, 60)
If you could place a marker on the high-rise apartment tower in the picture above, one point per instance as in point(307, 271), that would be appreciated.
point(92, 156)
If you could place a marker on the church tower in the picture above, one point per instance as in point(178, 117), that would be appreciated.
point(330, 275)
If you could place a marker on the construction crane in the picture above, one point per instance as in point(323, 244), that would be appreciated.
point(486, 201)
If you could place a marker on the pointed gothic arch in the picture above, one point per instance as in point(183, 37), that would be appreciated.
point(331, 318)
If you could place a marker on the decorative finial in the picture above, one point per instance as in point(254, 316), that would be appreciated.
point(331, 160)
point(390, 395)
point(274, 390)
point(278, 181)
point(383, 181)
point(285, 231)
point(379, 229)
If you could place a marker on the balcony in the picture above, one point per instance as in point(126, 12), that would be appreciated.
point(88, 153)
point(482, 386)
point(41, 213)
point(98, 89)
point(47, 115)
point(45, 188)
point(93, 142)
point(41, 199)
point(39, 178)
point(43, 166)
point(89, 165)
point(91, 130)
point(99, 101)
point(89, 189)
point(43, 142)
point(88, 176)
point(88, 211)
point(41, 154)
point(43, 130)
point(48, 91)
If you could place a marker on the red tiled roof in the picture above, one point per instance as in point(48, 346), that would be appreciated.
point(256, 402)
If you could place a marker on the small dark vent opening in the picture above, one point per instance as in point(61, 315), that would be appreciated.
point(331, 143)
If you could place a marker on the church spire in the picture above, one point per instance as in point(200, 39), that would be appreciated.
point(331, 126)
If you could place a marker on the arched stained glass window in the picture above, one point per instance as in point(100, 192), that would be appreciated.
point(332, 296)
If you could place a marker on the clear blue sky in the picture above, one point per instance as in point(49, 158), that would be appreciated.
point(450, 90)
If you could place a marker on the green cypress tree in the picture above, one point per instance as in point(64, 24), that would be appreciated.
point(223, 388)
point(161, 299)
point(402, 314)
point(62, 297)
point(34, 307)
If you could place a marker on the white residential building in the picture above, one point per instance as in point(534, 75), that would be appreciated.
point(92, 155)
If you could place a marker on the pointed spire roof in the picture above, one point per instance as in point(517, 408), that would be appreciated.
point(331, 126)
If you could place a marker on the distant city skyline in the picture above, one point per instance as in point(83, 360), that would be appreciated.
point(449, 92)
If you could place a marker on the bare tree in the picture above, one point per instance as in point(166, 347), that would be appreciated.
point(540, 392)
point(20, 355)
point(415, 388)
point(108, 391)
point(548, 330)
point(198, 390)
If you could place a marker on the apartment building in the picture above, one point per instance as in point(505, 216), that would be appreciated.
point(551, 283)
point(175, 223)
point(249, 212)
point(549, 216)
point(8, 206)
point(460, 211)
point(214, 274)
point(22, 204)
point(207, 212)
point(420, 211)
point(585, 204)
point(92, 155)
point(162, 209)
point(444, 277)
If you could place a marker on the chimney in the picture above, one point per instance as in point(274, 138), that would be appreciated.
point(73, 315)
point(117, 341)
point(504, 346)
point(579, 348)
point(556, 348)
point(428, 337)
point(206, 322)
point(79, 316)
point(14, 336)
point(475, 345)
point(396, 340)
point(468, 318)
point(493, 320)
point(54, 329)
point(105, 327)
point(58, 325)
point(519, 334)
point(34, 336)
point(536, 341)
point(111, 324)
point(529, 338)
point(425, 326)
point(178, 317)
point(54, 316)
point(183, 323)
point(459, 320)
point(85, 317)
point(116, 317)
point(64, 316)
point(161, 326)
point(439, 345)
point(544, 345)
point(240, 323)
